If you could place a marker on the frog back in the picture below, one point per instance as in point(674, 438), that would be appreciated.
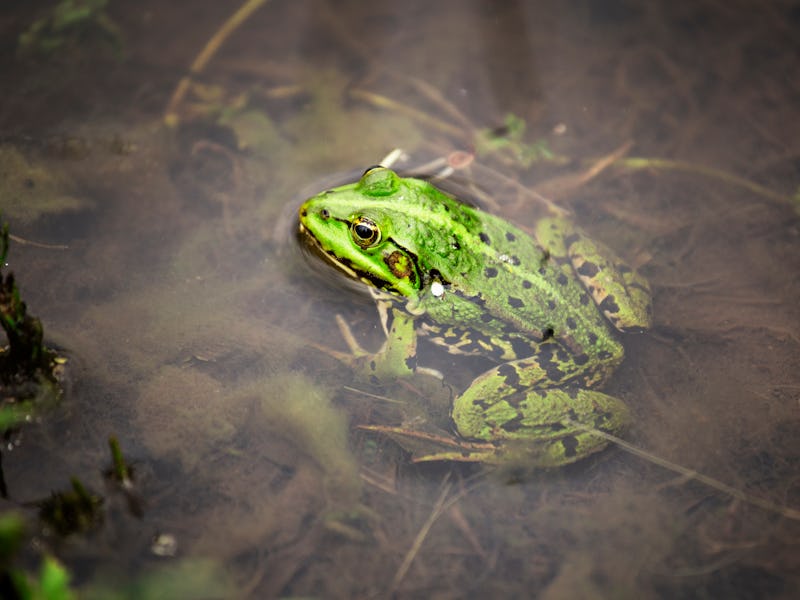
point(513, 295)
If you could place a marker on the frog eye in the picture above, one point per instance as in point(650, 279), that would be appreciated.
point(379, 181)
point(372, 168)
point(365, 232)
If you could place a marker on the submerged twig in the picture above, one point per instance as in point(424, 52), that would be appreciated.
point(435, 96)
point(438, 508)
point(558, 187)
point(676, 165)
point(373, 396)
point(206, 54)
point(691, 474)
point(25, 242)
point(388, 103)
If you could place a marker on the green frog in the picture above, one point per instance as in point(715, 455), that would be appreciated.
point(545, 307)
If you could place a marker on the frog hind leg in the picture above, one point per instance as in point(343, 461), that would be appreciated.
point(620, 292)
point(544, 427)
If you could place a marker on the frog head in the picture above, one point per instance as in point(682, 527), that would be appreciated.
point(354, 227)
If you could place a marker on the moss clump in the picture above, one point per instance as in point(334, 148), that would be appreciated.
point(28, 370)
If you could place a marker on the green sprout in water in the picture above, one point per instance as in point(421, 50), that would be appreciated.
point(510, 138)
point(69, 24)
point(120, 471)
point(53, 580)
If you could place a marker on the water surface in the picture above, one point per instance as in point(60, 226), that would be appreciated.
point(173, 281)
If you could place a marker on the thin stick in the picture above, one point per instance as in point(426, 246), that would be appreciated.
point(206, 54)
point(789, 513)
point(674, 165)
point(25, 242)
point(433, 94)
point(421, 535)
point(560, 186)
point(373, 396)
point(389, 104)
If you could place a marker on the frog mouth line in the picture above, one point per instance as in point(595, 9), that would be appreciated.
point(313, 245)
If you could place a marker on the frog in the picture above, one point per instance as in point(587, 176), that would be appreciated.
point(547, 306)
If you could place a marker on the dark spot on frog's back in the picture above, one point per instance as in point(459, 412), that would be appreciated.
point(515, 302)
point(570, 444)
point(609, 305)
point(510, 236)
point(562, 279)
point(509, 373)
point(550, 361)
point(513, 425)
point(521, 348)
point(485, 238)
point(490, 272)
point(588, 269)
point(526, 284)
point(571, 324)
point(477, 299)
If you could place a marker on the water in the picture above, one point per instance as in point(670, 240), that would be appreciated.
point(173, 280)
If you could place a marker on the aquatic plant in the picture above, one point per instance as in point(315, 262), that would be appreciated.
point(29, 371)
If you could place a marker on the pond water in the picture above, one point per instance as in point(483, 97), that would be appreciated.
point(154, 226)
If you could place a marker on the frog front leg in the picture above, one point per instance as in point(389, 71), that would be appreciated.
point(619, 291)
point(397, 357)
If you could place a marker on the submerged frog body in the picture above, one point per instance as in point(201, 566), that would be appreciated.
point(544, 307)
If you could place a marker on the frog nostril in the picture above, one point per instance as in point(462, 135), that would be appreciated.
point(324, 213)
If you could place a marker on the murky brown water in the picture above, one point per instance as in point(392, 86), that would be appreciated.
point(187, 310)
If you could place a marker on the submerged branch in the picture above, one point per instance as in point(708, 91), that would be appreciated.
point(206, 54)
point(691, 474)
point(423, 117)
point(712, 172)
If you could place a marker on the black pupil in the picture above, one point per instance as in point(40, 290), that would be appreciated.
point(363, 231)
